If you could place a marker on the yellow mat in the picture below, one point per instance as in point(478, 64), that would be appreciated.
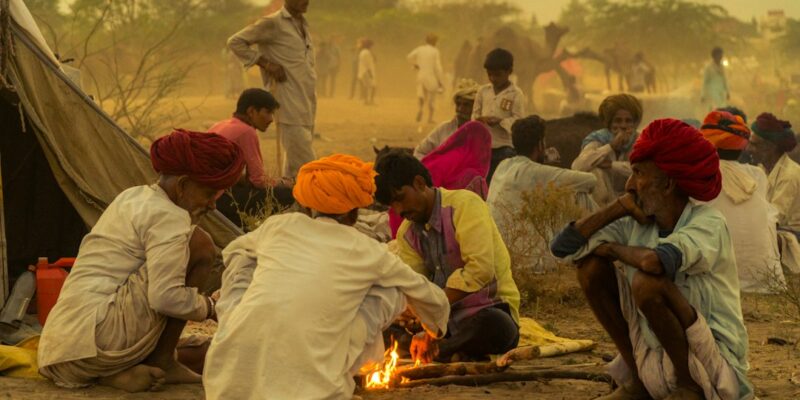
point(20, 361)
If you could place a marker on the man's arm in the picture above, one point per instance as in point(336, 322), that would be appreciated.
point(240, 43)
point(474, 232)
point(477, 105)
point(255, 164)
point(166, 245)
point(240, 262)
point(665, 258)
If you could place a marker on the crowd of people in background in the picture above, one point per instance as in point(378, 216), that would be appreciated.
point(674, 228)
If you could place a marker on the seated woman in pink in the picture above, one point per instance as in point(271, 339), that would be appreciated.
point(461, 162)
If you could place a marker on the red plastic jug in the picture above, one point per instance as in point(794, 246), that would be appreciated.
point(49, 280)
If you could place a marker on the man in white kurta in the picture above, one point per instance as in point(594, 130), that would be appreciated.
point(367, 72)
point(715, 91)
point(285, 55)
point(525, 173)
point(305, 298)
point(751, 219)
point(604, 152)
point(464, 99)
point(773, 139)
point(134, 283)
point(427, 60)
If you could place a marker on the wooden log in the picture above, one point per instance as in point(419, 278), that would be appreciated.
point(439, 370)
point(486, 379)
point(547, 350)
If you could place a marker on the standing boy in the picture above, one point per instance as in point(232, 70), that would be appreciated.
point(499, 104)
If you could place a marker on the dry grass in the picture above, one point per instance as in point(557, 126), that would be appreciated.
point(253, 217)
point(542, 279)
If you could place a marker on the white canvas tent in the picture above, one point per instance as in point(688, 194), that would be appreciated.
point(62, 159)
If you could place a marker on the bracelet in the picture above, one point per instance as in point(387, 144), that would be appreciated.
point(212, 307)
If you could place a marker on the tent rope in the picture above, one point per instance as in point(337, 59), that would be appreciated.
point(6, 42)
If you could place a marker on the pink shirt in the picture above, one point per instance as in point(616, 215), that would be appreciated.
point(245, 136)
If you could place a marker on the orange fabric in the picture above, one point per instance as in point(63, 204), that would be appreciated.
point(335, 184)
point(725, 130)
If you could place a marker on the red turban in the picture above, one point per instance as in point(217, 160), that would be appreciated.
point(683, 154)
point(206, 158)
point(725, 131)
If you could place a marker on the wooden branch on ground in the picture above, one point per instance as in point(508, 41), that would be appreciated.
point(547, 350)
point(440, 370)
point(486, 379)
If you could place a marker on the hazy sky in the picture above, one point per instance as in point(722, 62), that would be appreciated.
point(548, 10)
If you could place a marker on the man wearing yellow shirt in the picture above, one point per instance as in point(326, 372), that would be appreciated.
point(450, 237)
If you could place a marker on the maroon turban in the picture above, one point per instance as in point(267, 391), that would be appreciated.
point(776, 131)
point(206, 158)
point(683, 154)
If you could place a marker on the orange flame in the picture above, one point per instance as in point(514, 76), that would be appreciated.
point(381, 376)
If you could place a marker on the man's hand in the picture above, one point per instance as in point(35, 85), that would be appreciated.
point(423, 348)
point(620, 141)
point(274, 71)
point(408, 321)
point(491, 121)
point(628, 202)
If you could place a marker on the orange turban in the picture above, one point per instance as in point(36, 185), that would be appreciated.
point(725, 130)
point(335, 184)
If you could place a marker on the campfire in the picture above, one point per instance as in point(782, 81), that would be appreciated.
point(384, 374)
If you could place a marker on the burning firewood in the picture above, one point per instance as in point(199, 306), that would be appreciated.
point(439, 370)
point(547, 350)
point(508, 376)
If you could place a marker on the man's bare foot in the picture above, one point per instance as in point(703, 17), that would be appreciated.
point(636, 392)
point(176, 372)
point(136, 379)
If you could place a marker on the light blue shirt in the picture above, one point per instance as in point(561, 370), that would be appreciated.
point(707, 276)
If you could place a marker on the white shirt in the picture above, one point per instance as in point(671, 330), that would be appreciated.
point(141, 228)
point(429, 63)
point(518, 175)
point(290, 294)
point(508, 105)
point(610, 181)
point(751, 221)
point(437, 136)
point(279, 39)
point(366, 66)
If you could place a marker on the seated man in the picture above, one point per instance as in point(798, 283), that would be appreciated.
point(464, 98)
point(134, 283)
point(449, 237)
point(605, 152)
point(254, 110)
point(305, 299)
point(525, 173)
point(671, 306)
point(770, 145)
point(743, 202)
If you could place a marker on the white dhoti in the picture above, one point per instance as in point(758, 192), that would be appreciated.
point(124, 338)
point(296, 142)
point(706, 365)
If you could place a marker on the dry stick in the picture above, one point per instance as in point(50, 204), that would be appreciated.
point(480, 380)
point(547, 350)
point(439, 370)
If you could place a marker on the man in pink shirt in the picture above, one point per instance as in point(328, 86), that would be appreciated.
point(254, 110)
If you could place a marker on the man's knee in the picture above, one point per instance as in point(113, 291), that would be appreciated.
point(201, 247)
point(648, 291)
point(594, 273)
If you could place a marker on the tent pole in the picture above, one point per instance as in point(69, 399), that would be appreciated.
point(3, 250)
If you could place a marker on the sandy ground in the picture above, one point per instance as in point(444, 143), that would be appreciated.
point(346, 126)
